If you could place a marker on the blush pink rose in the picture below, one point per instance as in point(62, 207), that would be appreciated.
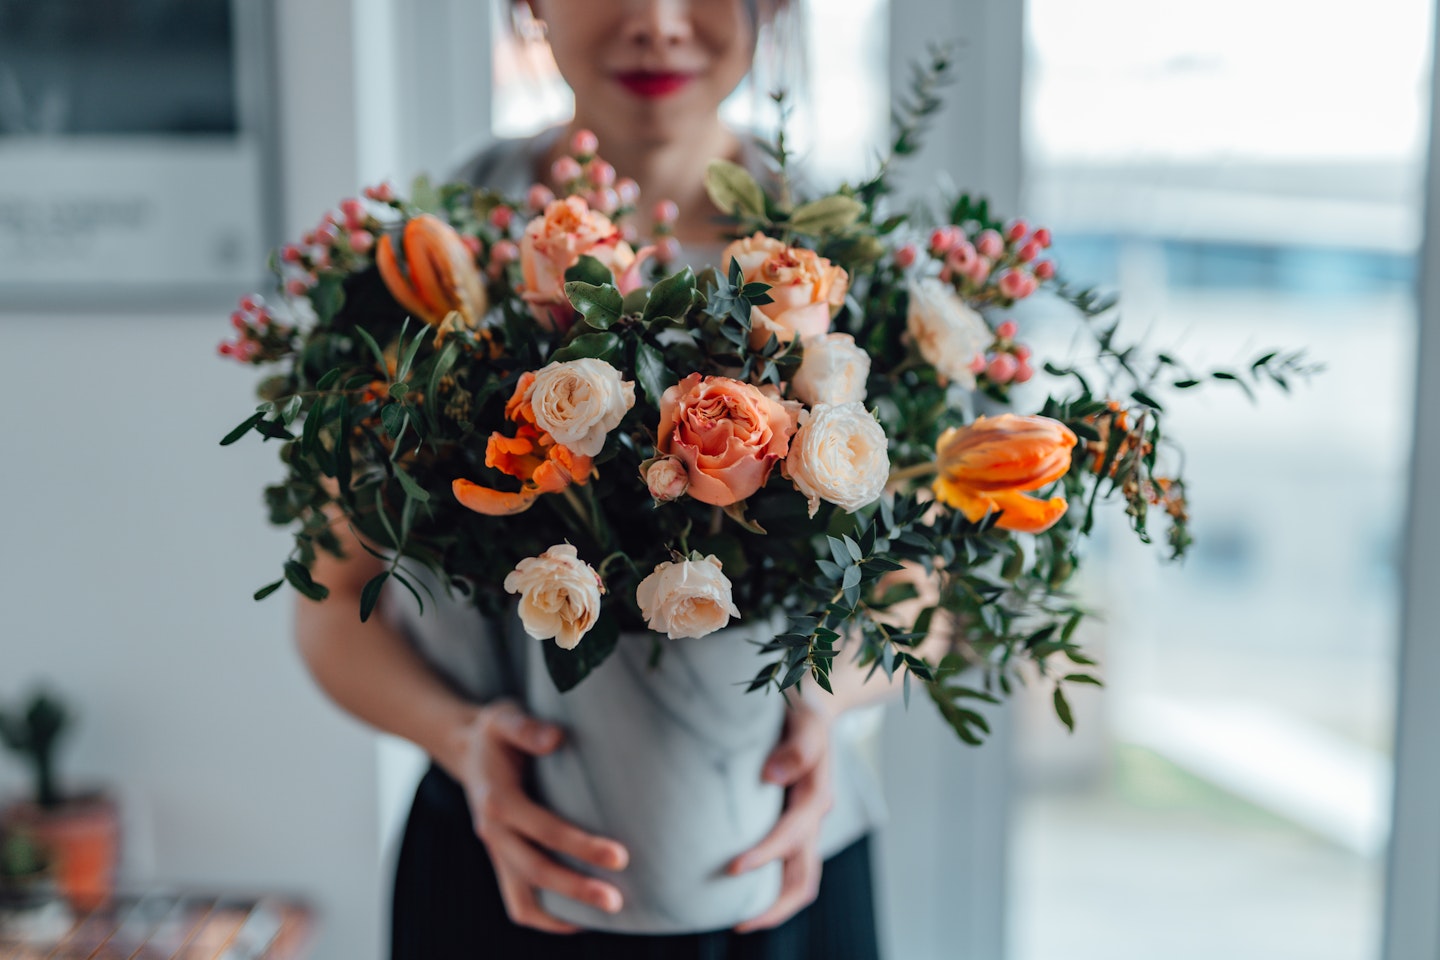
point(555, 241)
point(807, 289)
point(728, 434)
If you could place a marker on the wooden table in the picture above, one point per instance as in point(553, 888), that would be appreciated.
point(177, 926)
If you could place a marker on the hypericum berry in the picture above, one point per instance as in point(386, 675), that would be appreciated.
point(1002, 368)
point(501, 217)
point(990, 244)
point(961, 257)
point(905, 256)
point(977, 363)
point(1042, 237)
point(667, 250)
point(504, 252)
point(1021, 352)
point(628, 233)
point(601, 174)
point(628, 191)
point(565, 170)
point(326, 234)
point(238, 320)
point(1045, 270)
point(384, 193)
point(584, 143)
point(979, 270)
point(297, 288)
point(290, 253)
point(1023, 372)
point(539, 197)
point(942, 239)
point(604, 200)
point(251, 303)
point(666, 211)
point(472, 243)
point(1007, 330)
point(362, 241)
point(1013, 284)
point(1029, 252)
point(1015, 231)
point(225, 348)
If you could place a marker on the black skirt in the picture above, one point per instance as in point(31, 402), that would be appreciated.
point(447, 905)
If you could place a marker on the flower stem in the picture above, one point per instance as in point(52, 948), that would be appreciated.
point(916, 470)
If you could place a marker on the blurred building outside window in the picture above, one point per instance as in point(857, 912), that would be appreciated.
point(1229, 793)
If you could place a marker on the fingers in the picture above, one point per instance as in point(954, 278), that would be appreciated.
point(513, 726)
point(533, 869)
point(523, 909)
point(799, 887)
point(797, 827)
point(800, 750)
point(552, 833)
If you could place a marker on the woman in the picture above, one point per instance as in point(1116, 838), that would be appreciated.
point(649, 77)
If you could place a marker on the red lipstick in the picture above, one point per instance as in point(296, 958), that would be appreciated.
point(653, 84)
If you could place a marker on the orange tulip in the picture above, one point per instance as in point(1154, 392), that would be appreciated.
point(531, 456)
point(988, 466)
point(439, 276)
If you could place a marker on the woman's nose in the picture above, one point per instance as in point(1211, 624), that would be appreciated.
point(657, 24)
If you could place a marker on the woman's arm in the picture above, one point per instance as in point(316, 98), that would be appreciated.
point(370, 670)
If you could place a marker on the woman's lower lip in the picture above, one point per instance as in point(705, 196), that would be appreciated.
point(653, 85)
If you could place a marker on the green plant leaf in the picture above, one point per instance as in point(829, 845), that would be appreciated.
point(600, 304)
point(831, 214)
point(603, 346)
point(244, 428)
point(734, 190)
point(671, 298)
point(412, 487)
point(371, 594)
point(1062, 710)
point(589, 270)
point(568, 667)
point(268, 589)
point(651, 372)
point(299, 576)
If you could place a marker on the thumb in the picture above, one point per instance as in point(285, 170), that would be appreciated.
point(512, 725)
point(798, 752)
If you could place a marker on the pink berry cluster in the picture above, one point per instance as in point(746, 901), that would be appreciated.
point(259, 337)
point(583, 173)
point(347, 233)
point(1001, 267)
point(1006, 361)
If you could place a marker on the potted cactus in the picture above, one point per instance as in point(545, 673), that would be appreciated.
point(78, 833)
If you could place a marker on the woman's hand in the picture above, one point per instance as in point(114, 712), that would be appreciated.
point(801, 762)
point(490, 762)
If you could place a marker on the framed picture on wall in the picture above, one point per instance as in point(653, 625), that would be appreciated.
point(135, 149)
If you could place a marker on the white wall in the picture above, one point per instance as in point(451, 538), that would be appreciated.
point(132, 543)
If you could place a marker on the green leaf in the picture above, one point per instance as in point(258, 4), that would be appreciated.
point(394, 418)
point(568, 667)
point(375, 350)
point(1062, 710)
point(442, 366)
point(671, 298)
point(1146, 399)
point(327, 297)
point(268, 589)
point(1083, 678)
point(403, 370)
point(589, 270)
point(600, 345)
point(734, 190)
point(827, 215)
point(244, 428)
point(412, 487)
point(371, 594)
point(328, 381)
point(299, 576)
point(651, 372)
point(600, 304)
point(291, 410)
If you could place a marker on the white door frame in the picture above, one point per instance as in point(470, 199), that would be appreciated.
point(1412, 903)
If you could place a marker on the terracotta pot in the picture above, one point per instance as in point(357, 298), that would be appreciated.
point(82, 839)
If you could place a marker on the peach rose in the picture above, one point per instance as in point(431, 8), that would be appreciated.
point(807, 289)
point(555, 241)
point(728, 434)
point(686, 600)
point(559, 595)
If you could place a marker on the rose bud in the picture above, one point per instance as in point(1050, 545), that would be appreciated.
point(666, 477)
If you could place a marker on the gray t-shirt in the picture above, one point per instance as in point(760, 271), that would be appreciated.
point(469, 651)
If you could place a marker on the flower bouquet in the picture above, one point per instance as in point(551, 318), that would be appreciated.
point(633, 455)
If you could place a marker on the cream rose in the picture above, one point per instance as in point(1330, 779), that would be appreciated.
point(578, 402)
point(686, 599)
point(949, 334)
point(806, 290)
point(839, 456)
point(833, 370)
point(559, 595)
